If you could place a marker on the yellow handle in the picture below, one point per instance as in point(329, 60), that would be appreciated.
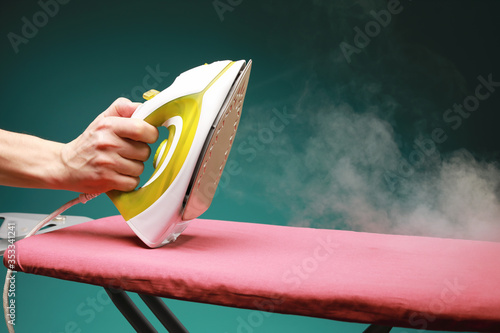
point(188, 108)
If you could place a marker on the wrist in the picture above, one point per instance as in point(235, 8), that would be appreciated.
point(53, 173)
point(29, 161)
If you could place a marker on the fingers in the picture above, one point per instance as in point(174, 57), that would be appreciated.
point(125, 142)
point(127, 172)
point(125, 183)
point(134, 129)
point(111, 151)
point(134, 150)
point(118, 114)
point(119, 173)
point(131, 168)
point(122, 107)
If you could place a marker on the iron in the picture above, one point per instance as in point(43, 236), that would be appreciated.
point(201, 110)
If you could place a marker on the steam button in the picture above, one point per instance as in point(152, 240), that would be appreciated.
point(150, 94)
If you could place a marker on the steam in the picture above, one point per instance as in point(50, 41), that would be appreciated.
point(337, 167)
point(359, 155)
point(346, 176)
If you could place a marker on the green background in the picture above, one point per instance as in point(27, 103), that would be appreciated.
point(91, 52)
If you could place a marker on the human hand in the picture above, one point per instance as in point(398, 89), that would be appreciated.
point(110, 153)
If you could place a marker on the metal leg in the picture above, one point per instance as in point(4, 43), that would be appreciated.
point(130, 311)
point(164, 315)
point(139, 322)
point(377, 329)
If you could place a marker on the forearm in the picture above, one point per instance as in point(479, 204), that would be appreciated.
point(28, 161)
point(108, 155)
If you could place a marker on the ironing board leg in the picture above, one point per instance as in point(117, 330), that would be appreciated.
point(377, 329)
point(130, 311)
point(135, 317)
point(164, 315)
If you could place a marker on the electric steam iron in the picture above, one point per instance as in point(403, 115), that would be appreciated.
point(201, 110)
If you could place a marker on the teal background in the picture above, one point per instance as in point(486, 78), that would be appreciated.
point(91, 52)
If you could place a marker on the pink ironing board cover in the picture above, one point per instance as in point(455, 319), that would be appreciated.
point(407, 281)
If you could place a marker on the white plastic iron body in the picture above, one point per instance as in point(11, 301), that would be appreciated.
point(201, 109)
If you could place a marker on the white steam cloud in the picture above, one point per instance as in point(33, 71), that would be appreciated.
point(360, 153)
point(350, 173)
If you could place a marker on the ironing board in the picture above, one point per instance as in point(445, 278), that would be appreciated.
point(387, 280)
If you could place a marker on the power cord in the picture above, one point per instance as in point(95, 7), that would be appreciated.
point(82, 198)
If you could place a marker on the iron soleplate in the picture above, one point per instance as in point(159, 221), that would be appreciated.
point(216, 150)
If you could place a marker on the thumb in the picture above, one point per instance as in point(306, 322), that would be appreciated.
point(122, 107)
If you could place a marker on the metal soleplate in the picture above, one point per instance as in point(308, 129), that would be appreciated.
point(216, 150)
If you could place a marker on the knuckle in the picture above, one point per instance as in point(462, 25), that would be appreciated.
point(135, 129)
point(145, 132)
point(121, 100)
point(139, 130)
point(119, 103)
point(102, 140)
point(102, 179)
point(103, 163)
point(104, 123)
